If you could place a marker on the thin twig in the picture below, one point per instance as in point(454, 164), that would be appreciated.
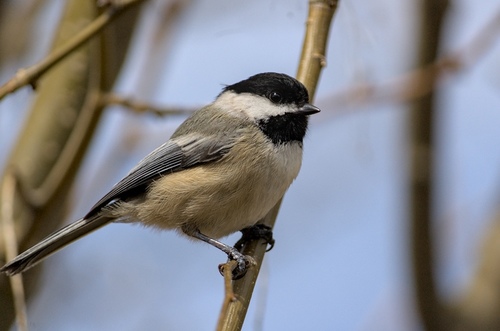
point(30, 75)
point(108, 99)
point(312, 61)
point(228, 290)
point(9, 236)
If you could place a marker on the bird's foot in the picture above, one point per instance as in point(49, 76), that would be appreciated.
point(258, 231)
point(243, 263)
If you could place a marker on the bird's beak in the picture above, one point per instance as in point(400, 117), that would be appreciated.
point(308, 109)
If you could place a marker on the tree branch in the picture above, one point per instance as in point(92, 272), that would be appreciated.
point(421, 124)
point(108, 99)
point(311, 62)
point(30, 75)
point(313, 57)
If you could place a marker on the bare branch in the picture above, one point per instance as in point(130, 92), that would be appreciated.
point(30, 75)
point(313, 57)
point(108, 99)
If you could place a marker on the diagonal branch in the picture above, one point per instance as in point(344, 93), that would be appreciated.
point(30, 75)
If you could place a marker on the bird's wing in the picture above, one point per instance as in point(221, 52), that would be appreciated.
point(175, 155)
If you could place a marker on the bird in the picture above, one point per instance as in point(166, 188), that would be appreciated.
point(221, 172)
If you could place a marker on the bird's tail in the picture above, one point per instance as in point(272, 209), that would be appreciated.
point(53, 243)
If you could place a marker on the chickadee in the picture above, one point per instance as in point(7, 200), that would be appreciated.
point(222, 171)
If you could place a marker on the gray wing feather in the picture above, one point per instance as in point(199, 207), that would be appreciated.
point(175, 155)
point(198, 150)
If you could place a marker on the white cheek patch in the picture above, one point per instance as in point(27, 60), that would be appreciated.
point(249, 105)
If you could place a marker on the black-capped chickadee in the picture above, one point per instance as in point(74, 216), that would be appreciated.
point(222, 170)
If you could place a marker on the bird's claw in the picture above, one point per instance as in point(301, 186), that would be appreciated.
point(243, 263)
point(257, 231)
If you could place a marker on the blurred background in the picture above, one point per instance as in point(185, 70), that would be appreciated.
point(342, 259)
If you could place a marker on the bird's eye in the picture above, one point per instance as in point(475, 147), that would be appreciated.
point(275, 97)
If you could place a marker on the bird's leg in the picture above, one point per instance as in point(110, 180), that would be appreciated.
point(257, 231)
point(232, 253)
